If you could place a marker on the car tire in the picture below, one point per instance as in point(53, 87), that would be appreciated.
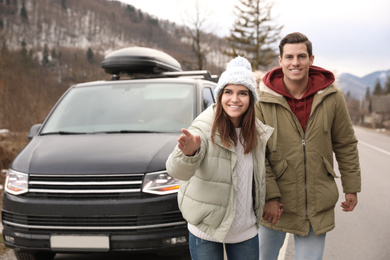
point(27, 255)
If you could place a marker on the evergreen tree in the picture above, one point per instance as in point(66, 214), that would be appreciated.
point(24, 51)
point(53, 54)
point(130, 8)
point(254, 34)
point(63, 4)
point(152, 21)
point(90, 55)
point(368, 93)
point(387, 85)
point(23, 11)
point(45, 55)
point(377, 88)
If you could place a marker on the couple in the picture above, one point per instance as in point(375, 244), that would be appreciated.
point(248, 161)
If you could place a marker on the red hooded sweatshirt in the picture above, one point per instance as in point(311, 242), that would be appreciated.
point(319, 79)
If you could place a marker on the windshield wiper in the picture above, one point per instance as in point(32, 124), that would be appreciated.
point(125, 132)
point(100, 132)
point(64, 133)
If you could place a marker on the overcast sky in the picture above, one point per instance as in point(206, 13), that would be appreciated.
point(348, 36)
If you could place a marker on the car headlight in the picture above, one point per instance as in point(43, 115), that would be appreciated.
point(160, 183)
point(16, 182)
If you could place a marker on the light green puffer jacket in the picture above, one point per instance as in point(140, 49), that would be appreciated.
point(300, 164)
point(207, 195)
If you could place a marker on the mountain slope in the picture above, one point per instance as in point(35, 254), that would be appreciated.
point(357, 87)
point(101, 25)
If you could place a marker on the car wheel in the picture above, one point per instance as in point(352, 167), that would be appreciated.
point(27, 255)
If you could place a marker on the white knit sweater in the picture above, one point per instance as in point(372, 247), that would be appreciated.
point(244, 223)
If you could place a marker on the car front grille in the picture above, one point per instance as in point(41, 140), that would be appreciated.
point(84, 186)
point(94, 223)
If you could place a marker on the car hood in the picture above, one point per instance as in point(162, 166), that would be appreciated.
point(96, 154)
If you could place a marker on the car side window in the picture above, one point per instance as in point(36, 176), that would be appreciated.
point(208, 98)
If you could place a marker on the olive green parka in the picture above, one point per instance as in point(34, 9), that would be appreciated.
point(299, 164)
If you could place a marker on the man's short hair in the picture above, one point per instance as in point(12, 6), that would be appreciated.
point(296, 37)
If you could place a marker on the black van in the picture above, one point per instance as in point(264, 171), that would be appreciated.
point(93, 178)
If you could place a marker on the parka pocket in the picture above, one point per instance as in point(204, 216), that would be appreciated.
point(329, 168)
point(287, 182)
point(326, 191)
point(279, 169)
point(205, 202)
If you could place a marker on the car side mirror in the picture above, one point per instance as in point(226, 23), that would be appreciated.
point(34, 131)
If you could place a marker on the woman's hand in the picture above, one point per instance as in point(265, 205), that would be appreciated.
point(272, 212)
point(188, 143)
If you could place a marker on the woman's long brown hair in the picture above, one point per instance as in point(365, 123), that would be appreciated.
point(226, 129)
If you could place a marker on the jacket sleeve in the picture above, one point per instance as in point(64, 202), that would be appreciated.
point(183, 167)
point(272, 189)
point(345, 147)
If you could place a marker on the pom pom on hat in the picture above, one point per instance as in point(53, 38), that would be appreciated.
point(239, 72)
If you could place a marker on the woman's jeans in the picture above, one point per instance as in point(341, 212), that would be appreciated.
point(310, 247)
point(206, 250)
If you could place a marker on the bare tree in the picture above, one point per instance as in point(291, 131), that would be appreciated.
point(199, 30)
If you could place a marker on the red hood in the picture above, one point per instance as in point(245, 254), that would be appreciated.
point(319, 79)
point(322, 78)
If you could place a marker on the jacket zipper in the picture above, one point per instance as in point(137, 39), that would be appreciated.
point(304, 158)
point(304, 167)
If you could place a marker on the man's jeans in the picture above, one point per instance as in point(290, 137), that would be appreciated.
point(310, 247)
point(206, 250)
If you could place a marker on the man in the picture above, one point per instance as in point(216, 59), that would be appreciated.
point(311, 121)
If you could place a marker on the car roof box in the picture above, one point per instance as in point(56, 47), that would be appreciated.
point(133, 60)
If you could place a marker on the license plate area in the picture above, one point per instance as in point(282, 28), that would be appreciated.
point(79, 243)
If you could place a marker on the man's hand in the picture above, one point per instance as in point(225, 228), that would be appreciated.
point(273, 209)
point(188, 143)
point(350, 202)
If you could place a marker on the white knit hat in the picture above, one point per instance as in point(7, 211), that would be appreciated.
point(239, 72)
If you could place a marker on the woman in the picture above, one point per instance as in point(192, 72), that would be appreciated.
point(220, 162)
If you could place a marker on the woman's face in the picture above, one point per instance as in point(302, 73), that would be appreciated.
point(235, 101)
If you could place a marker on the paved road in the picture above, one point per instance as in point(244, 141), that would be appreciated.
point(8, 255)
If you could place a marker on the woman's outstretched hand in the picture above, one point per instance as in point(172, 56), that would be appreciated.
point(188, 143)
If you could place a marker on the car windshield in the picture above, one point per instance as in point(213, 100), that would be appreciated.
point(123, 108)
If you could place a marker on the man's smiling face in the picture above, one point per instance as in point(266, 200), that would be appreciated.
point(295, 62)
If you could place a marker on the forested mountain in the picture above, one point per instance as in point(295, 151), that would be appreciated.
point(357, 87)
point(48, 45)
point(101, 25)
